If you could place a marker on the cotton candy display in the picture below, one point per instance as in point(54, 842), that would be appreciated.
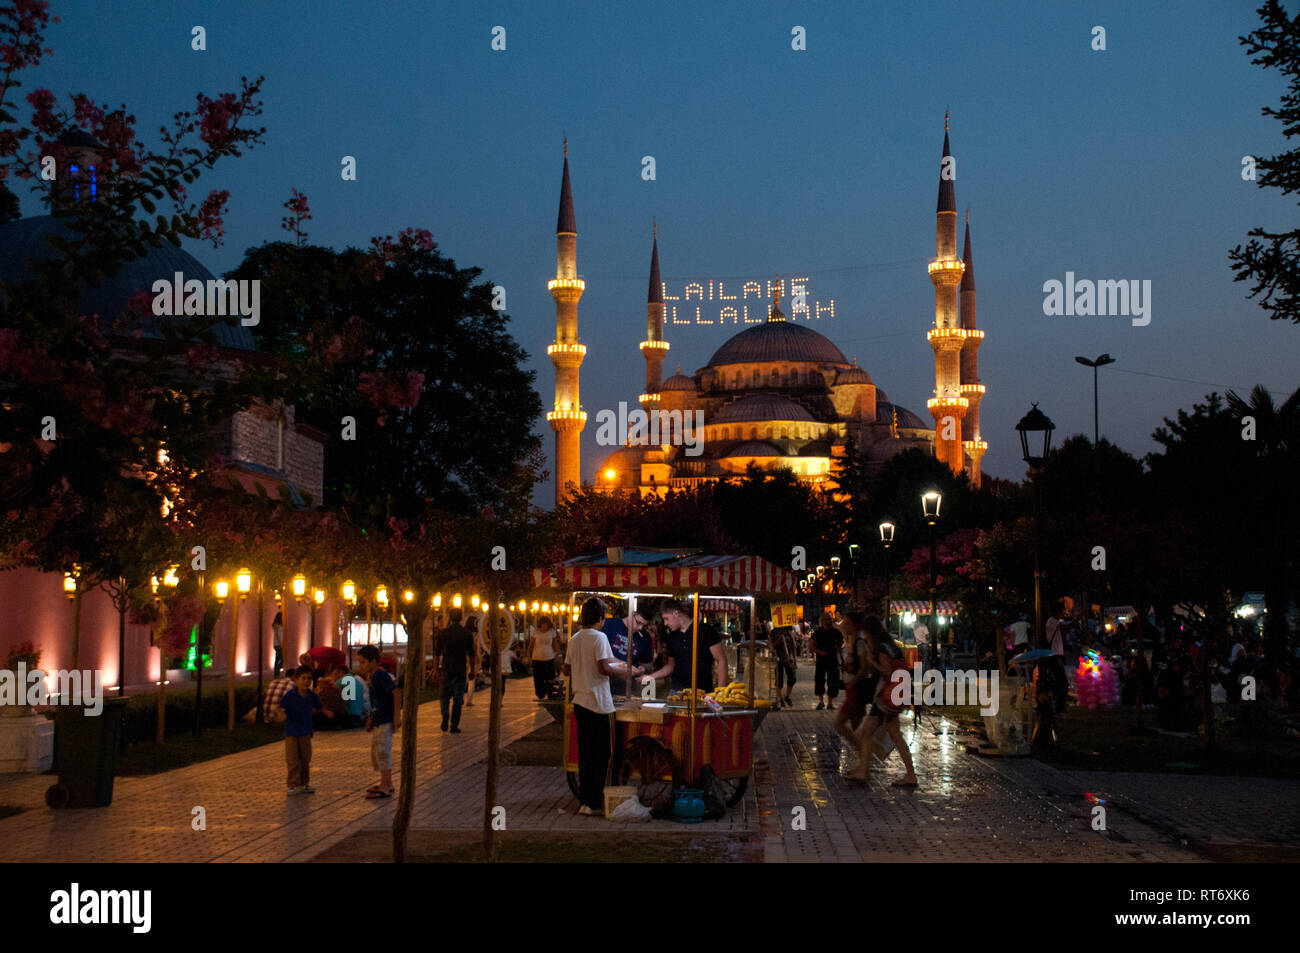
point(1095, 681)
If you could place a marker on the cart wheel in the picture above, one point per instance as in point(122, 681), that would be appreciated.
point(734, 788)
point(572, 778)
point(57, 796)
point(654, 764)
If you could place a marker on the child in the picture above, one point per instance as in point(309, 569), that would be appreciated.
point(298, 705)
point(385, 718)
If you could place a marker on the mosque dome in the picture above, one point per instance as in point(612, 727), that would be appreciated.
point(777, 340)
point(678, 381)
point(755, 448)
point(761, 407)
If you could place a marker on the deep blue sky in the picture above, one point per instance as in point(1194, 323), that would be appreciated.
point(1117, 164)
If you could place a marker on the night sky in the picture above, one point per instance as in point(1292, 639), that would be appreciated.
point(1123, 164)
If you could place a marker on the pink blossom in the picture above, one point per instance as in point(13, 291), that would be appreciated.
point(215, 116)
point(211, 224)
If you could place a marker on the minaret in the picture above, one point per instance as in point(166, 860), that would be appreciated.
point(948, 406)
point(654, 348)
point(568, 418)
point(971, 388)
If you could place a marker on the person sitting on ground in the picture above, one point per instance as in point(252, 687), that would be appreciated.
point(322, 658)
point(272, 713)
point(353, 691)
point(333, 708)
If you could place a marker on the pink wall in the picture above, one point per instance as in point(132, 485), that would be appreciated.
point(34, 607)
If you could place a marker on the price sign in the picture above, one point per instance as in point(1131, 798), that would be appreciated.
point(786, 613)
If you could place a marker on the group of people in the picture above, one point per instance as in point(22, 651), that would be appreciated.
point(323, 693)
point(609, 656)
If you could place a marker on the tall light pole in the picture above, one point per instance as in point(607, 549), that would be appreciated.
point(887, 540)
point(244, 585)
point(930, 503)
point(1102, 361)
point(1033, 426)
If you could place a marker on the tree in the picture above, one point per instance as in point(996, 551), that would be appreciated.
point(437, 394)
point(1272, 259)
point(98, 449)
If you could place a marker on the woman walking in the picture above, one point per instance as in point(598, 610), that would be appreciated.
point(544, 644)
point(882, 654)
point(862, 679)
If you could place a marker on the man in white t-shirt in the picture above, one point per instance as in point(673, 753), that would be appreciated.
point(1019, 634)
point(589, 662)
point(1053, 634)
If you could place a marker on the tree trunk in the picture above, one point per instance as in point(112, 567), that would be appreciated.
point(490, 846)
point(414, 681)
point(76, 629)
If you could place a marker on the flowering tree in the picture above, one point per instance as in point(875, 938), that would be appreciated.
point(99, 454)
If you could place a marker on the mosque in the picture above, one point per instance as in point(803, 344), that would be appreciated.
point(777, 394)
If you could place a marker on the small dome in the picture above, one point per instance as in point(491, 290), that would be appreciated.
point(852, 375)
point(623, 458)
point(755, 448)
point(25, 240)
point(678, 381)
point(761, 407)
point(777, 341)
point(906, 419)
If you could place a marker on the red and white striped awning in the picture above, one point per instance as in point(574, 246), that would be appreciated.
point(743, 575)
point(922, 606)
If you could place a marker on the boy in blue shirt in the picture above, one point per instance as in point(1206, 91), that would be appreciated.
point(298, 706)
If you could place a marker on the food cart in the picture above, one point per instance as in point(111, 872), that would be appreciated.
point(665, 743)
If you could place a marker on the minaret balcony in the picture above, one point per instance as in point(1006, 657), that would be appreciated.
point(939, 406)
point(946, 271)
point(974, 447)
point(975, 391)
point(566, 354)
point(950, 339)
point(561, 420)
point(654, 346)
point(649, 398)
point(577, 283)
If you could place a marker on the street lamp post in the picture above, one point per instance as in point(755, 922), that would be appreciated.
point(930, 503)
point(1101, 361)
point(261, 648)
point(1032, 426)
point(244, 585)
point(887, 540)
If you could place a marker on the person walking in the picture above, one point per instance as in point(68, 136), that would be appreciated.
point(860, 686)
point(298, 706)
point(826, 643)
point(782, 642)
point(589, 663)
point(882, 656)
point(277, 640)
point(456, 653)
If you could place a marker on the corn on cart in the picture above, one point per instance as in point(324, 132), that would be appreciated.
point(664, 743)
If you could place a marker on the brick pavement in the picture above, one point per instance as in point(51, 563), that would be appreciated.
point(249, 816)
point(967, 808)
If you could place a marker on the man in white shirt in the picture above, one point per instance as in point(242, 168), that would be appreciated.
point(1019, 634)
point(589, 662)
point(1052, 631)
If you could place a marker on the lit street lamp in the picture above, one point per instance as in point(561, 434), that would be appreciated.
point(931, 500)
point(1034, 426)
point(244, 584)
point(887, 540)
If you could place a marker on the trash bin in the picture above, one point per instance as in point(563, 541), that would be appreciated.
point(85, 755)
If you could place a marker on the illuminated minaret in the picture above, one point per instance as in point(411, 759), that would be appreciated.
point(568, 418)
point(948, 406)
point(654, 348)
point(971, 388)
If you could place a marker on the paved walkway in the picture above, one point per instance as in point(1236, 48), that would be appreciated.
point(967, 807)
point(249, 816)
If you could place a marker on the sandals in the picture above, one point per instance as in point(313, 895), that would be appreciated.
point(377, 794)
point(900, 783)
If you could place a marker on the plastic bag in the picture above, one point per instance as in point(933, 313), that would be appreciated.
point(631, 810)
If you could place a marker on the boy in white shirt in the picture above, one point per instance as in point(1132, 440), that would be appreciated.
point(588, 663)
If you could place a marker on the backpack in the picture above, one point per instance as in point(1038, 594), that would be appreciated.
point(886, 688)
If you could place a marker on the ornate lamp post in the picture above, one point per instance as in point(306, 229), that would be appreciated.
point(1035, 427)
point(318, 600)
point(349, 593)
point(887, 540)
point(931, 500)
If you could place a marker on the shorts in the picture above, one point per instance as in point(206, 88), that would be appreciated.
point(381, 747)
point(854, 706)
point(884, 715)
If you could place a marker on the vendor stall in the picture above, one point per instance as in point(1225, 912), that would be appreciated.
point(665, 743)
